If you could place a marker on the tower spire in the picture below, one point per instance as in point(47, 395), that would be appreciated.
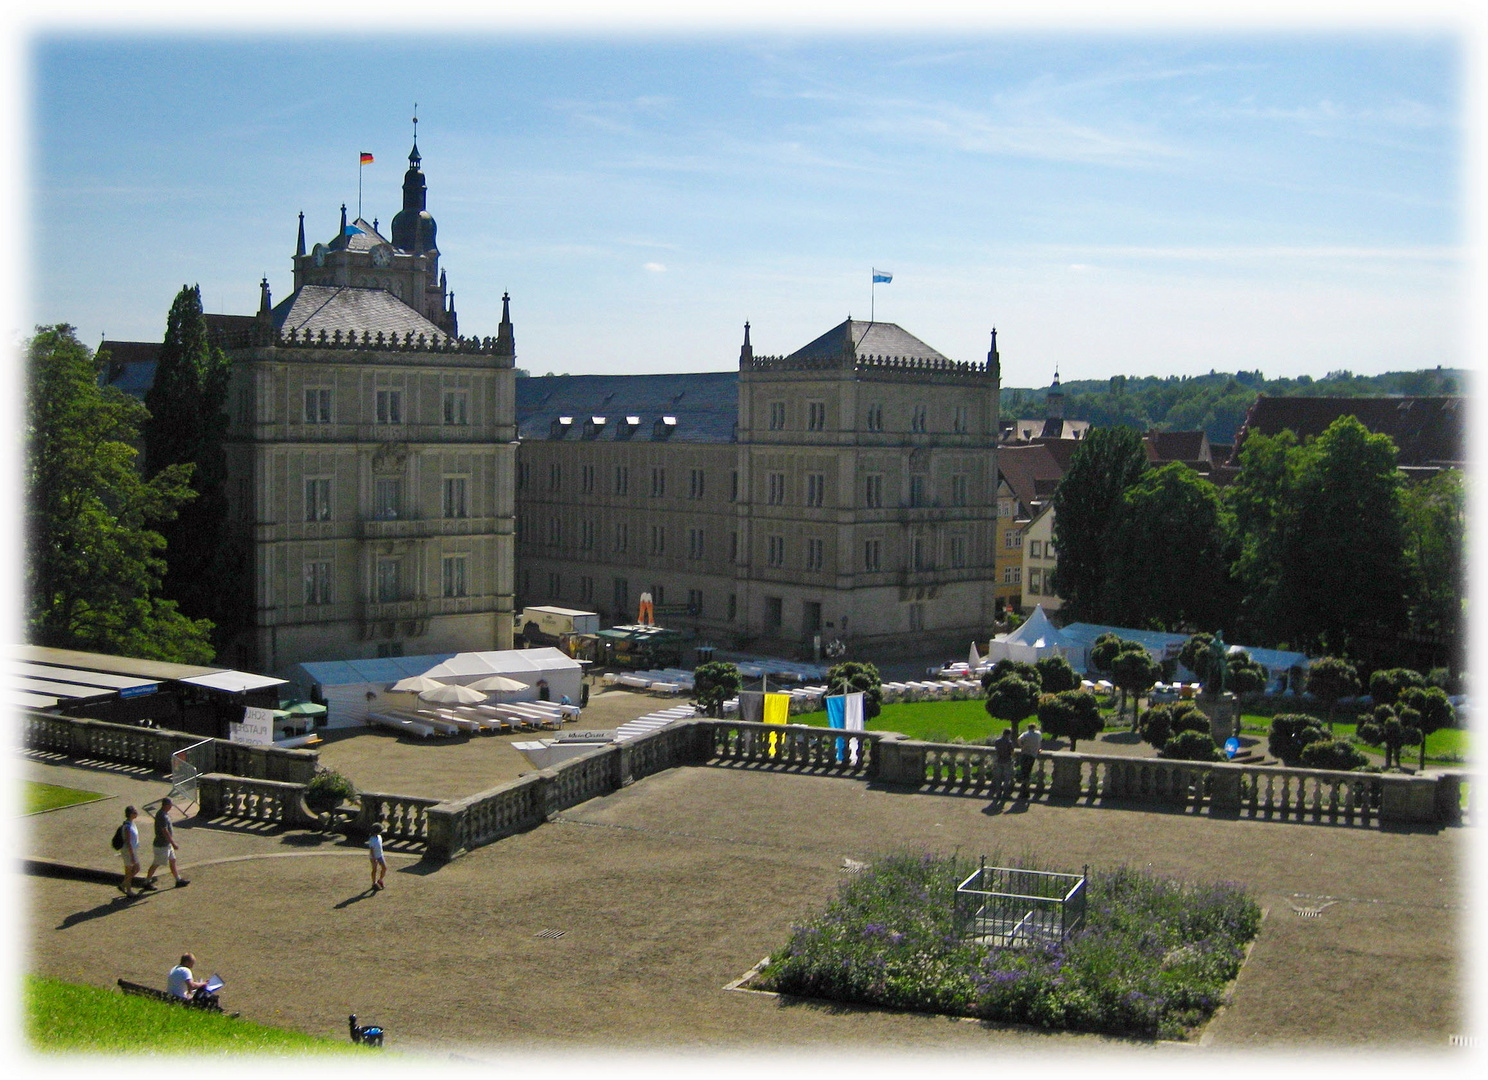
point(746, 351)
point(300, 243)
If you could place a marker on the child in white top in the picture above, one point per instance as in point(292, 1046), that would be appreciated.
point(379, 864)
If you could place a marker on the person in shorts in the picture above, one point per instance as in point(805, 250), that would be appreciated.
point(129, 849)
point(379, 863)
point(165, 846)
point(1029, 744)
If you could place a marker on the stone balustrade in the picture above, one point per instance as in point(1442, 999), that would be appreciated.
point(222, 796)
point(794, 746)
point(152, 748)
point(403, 817)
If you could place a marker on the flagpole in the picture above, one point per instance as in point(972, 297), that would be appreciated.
point(872, 292)
point(360, 167)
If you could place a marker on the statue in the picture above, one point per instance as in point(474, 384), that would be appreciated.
point(1218, 666)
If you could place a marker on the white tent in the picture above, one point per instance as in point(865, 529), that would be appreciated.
point(1031, 642)
point(539, 670)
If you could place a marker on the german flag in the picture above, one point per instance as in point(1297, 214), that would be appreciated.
point(366, 158)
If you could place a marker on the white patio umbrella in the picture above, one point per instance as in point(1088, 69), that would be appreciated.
point(499, 683)
point(974, 661)
point(453, 694)
point(416, 684)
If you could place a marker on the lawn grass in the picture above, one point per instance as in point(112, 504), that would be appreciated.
point(42, 797)
point(68, 1019)
point(1152, 959)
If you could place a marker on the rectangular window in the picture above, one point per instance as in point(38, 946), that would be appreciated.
point(1013, 575)
point(816, 489)
point(554, 586)
point(658, 539)
point(318, 499)
point(586, 535)
point(586, 479)
point(455, 503)
point(918, 420)
point(1048, 549)
point(733, 606)
point(586, 590)
point(658, 595)
point(872, 554)
point(317, 406)
point(916, 617)
point(777, 551)
point(555, 476)
point(1035, 581)
point(622, 537)
point(454, 575)
point(658, 483)
point(919, 553)
point(733, 547)
point(387, 498)
point(774, 612)
point(695, 603)
point(695, 543)
point(1013, 539)
point(456, 410)
point(389, 406)
point(816, 415)
point(958, 424)
point(695, 484)
point(875, 417)
point(874, 492)
point(814, 554)
point(389, 580)
point(917, 484)
point(777, 488)
point(777, 416)
point(318, 582)
point(958, 552)
point(621, 596)
point(959, 488)
point(555, 532)
point(622, 480)
point(734, 486)
point(1035, 549)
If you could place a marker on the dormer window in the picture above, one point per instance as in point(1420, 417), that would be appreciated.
point(561, 426)
point(593, 427)
point(628, 428)
point(663, 427)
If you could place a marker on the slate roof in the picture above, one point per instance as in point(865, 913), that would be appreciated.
point(868, 339)
point(1032, 471)
point(341, 307)
point(364, 239)
point(1426, 430)
point(1191, 448)
point(705, 406)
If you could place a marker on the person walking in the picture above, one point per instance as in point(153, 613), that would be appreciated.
point(1002, 764)
point(129, 849)
point(1028, 750)
point(165, 846)
point(379, 862)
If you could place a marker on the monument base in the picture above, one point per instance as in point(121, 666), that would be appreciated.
point(1223, 712)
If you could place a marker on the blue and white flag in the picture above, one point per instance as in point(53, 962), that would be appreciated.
point(845, 712)
point(882, 277)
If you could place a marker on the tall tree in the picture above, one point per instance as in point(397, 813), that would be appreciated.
point(206, 570)
point(1103, 466)
point(93, 555)
point(1330, 678)
point(1435, 515)
point(1327, 571)
point(1166, 562)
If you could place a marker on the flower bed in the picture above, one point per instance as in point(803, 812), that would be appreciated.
point(1152, 960)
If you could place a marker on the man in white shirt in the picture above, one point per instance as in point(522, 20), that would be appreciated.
point(1029, 744)
point(129, 849)
point(180, 982)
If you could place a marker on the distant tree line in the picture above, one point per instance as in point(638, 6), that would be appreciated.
point(1321, 547)
point(1217, 402)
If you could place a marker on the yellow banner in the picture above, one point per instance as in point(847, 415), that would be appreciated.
point(777, 711)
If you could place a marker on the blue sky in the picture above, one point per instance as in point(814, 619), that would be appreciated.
point(1138, 202)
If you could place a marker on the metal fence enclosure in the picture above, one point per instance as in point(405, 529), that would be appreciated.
point(186, 765)
point(1009, 907)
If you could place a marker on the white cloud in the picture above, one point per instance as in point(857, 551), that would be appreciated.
point(655, 267)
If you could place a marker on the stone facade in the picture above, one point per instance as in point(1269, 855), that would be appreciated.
point(850, 494)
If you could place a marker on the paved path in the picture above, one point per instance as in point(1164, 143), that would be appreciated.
point(668, 890)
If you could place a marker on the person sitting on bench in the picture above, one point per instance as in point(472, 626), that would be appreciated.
point(182, 984)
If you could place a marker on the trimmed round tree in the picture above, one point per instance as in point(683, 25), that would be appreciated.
point(1056, 676)
point(1003, 668)
point(1070, 714)
point(1433, 708)
point(1331, 678)
point(1387, 684)
point(1195, 655)
point(1387, 730)
point(1134, 671)
point(1104, 649)
point(1290, 732)
point(1011, 698)
point(1190, 746)
point(854, 675)
point(1245, 676)
point(1161, 722)
point(1332, 754)
point(714, 683)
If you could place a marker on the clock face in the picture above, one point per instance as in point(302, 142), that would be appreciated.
point(382, 256)
point(318, 252)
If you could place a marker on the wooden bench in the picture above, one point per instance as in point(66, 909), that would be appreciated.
point(140, 990)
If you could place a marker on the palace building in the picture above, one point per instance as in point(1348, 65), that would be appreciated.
point(844, 491)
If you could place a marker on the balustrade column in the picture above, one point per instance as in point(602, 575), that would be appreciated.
point(1066, 780)
point(1224, 791)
